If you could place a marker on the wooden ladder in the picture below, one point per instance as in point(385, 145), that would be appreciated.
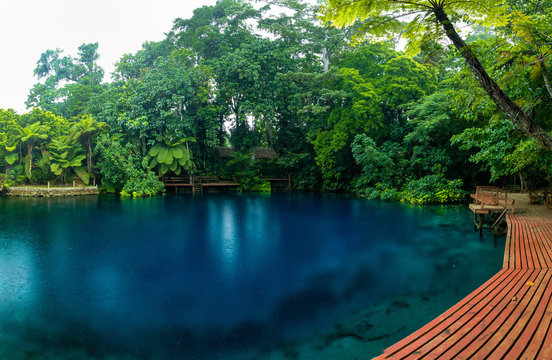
point(197, 187)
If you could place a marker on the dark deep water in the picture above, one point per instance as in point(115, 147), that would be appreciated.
point(182, 277)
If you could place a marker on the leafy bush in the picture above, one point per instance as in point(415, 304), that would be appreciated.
point(146, 184)
point(377, 167)
point(122, 169)
point(246, 172)
point(433, 189)
point(381, 192)
point(171, 155)
point(260, 186)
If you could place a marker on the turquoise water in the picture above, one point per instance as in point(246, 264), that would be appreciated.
point(220, 275)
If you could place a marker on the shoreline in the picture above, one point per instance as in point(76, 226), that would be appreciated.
point(30, 191)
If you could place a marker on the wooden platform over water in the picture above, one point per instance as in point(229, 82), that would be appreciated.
point(508, 317)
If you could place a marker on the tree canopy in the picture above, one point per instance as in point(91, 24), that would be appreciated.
point(428, 21)
point(342, 106)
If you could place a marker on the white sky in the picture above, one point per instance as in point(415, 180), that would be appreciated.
point(30, 27)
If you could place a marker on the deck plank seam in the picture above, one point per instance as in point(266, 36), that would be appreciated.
point(463, 307)
point(523, 318)
point(469, 331)
point(537, 316)
point(547, 336)
point(496, 331)
point(509, 316)
point(484, 304)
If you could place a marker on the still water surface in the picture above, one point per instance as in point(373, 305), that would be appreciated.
point(205, 277)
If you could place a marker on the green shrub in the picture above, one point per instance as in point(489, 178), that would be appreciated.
point(381, 192)
point(262, 186)
point(122, 169)
point(146, 184)
point(433, 189)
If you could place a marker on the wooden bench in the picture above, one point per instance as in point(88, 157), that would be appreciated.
point(537, 196)
point(205, 179)
point(177, 181)
point(489, 199)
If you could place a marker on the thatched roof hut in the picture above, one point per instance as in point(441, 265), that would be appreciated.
point(225, 152)
point(264, 153)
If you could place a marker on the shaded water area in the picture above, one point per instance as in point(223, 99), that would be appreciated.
point(228, 276)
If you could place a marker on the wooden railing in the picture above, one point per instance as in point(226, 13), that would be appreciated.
point(510, 205)
point(205, 179)
point(490, 196)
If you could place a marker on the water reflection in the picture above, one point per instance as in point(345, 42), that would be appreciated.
point(184, 276)
point(17, 276)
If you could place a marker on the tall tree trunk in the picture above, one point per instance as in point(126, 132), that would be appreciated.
point(325, 59)
point(544, 75)
point(89, 154)
point(30, 153)
point(522, 183)
point(269, 133)
point(504, 103)
point(143, 146)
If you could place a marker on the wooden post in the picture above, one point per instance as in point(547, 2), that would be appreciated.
point(481, 224)
point(74, 185)
point(48, 185)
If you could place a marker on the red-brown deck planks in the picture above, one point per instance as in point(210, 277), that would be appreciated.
point(508, 317)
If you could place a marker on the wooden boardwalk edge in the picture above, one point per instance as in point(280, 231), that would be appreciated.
point(508, 317)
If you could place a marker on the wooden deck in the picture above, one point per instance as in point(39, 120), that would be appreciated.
point(199, 183)
point(508, 317)
point(205, 185)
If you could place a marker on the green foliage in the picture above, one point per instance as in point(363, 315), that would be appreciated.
point(64, 156)
point(146, 184)
point(68, 82)
point(377, 167)
point(83, 174)
point(365, 118)
point(496, 144)
point(31, 135)
point(354, 109)
point(11, 158)
point(380, 192)
point(171, 155)
point(87, 128)
point(118, 162)
point(121, 169)
point(384, 18)
point(433, 189)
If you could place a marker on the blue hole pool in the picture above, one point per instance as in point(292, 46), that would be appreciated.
point(228, 276)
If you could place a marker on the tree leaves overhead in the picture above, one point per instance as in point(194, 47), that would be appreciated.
point(414, 20)
point(67, 83)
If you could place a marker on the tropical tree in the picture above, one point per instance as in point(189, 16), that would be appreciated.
point(171, 154)
point(9, 137)
point(86, 129)
point(382, 18)
point(501, 148)
point(66, 84)
point(354, 109)
point(65, 155)
point(32, 135)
